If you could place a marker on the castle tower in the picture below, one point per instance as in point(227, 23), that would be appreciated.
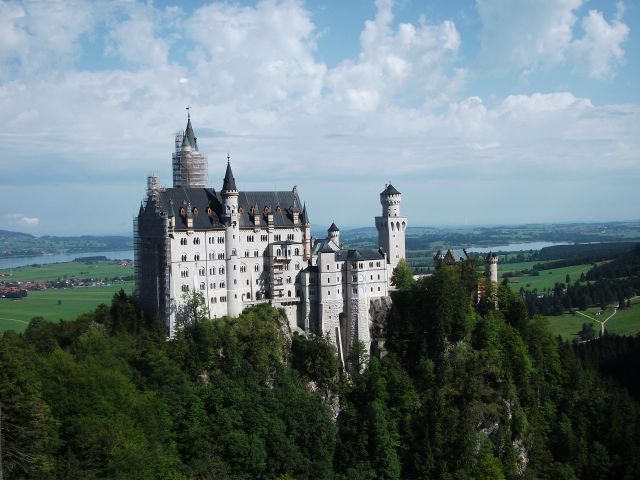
point(333, 234)
point(491, 267)
point(190, 169)
point(306, 224)
point(391, 226)
point(232, 242)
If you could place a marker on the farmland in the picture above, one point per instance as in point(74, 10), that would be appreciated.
point(56, 304)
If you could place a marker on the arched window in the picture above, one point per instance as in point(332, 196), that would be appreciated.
point(184, 257)
point(297, 251)
point(289, 293)
point(196, 257)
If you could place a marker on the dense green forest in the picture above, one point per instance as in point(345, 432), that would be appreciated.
point(461, 392)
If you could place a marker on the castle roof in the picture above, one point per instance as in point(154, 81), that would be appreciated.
point(229, 182)
point(390, 190)
point(333, 228)
point(207, 211)
point(189, 137)
point(358, 255)
point(304, 217)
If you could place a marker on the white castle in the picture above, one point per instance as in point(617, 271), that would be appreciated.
point(240, 249)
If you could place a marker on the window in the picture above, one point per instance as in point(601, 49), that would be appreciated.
point(297, 251)
point(243, 268)
point(378, 276)
point(196, 241)
point(290, 236)
point(183, 241)
point(328, 280)
point(202, 272)
point(221, 284)
point(354, 278)
point(185, 288)
point(184, 257)
point(246, 253)
point(223, 299)
point(221, 270)
point(264, 238)
point(202, 286)
point(196, 257)
point(249, 238)
point(247, 283)
point(221, 256)
point(212, 271)
point(220, 239)
point(256, 268)
point(327, 267)
point(370, 264)
point(312, 291)
point(277, 238)
point(355, 290)
point(370, 277)
point(255, 253)
point(210, 239)
point(214, 300)
point(360, 265)
point(233, 251)
point(288, 279)
point(377, 264)
point(297, 266)
point(235, 281)
point(372, 289)
point(212, 256)
point(278, 252)
point(378, 288)
point(212, 286)
point(184, 273)
point(288, 293)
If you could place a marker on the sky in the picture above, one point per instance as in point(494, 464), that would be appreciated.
point(479, 112)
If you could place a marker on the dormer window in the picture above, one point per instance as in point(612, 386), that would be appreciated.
point(240, 210)
point(209, 210)
point(183, 212)
point(195, 211)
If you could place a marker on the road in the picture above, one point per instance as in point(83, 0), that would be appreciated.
point(601, 322)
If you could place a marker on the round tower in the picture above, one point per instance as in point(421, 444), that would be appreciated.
point(391, 227)
point(491, 267)
point(334, 234)
point(232, 242)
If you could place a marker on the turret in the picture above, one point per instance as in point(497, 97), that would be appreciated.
point(491, 267)
point(232, 242)
point(306, 224)
point(334, 234)
point(391, 226)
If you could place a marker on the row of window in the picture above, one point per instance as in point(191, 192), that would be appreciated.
point(250, 238)
point(355, 265)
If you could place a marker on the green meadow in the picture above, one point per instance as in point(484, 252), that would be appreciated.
point(548, 278)
point(624, 322)
point(55, 271)
point(56, 304)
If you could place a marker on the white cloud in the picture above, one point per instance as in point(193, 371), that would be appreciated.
point(21, 220)
point(538, 34)
point(601, 46)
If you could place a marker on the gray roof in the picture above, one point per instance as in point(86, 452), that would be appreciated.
point(358, 255)
point(333, 228)
point(304, 218)
point(189, 137)
point(202, 199)
point(390, 190)
point(229, 182)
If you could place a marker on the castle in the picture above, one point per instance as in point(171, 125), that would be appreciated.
point(240, 249)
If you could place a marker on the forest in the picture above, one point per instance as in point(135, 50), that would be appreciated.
point(462, 391)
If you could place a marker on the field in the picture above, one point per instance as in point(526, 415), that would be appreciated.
point(548, 278)
point(624, 322)
point(16, 314)
point(55, 271)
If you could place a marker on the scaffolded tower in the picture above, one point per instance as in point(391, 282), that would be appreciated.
point(189, 164)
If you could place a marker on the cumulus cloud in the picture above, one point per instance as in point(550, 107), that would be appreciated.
point(21, 220)
point(539, 35)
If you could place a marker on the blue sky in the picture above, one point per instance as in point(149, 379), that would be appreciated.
point(479, 112)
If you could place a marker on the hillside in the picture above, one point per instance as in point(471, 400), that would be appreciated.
point(14, 244)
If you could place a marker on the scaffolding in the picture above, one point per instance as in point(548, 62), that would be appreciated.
point(190, 167)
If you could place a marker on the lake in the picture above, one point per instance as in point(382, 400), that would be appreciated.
point(15, 262)
point(516, 247)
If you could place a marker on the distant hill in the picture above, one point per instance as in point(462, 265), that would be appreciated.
point(17, 244)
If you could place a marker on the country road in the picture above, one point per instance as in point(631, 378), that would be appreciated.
point(601, 322)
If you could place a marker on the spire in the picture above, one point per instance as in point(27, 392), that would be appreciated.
point(304, 218)
point(189, 137)
point(333, 227)
point(229, 183)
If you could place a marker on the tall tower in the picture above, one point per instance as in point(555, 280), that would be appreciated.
point(231, 220)
point(491, 267)
point(391, 227)
point(190, 168)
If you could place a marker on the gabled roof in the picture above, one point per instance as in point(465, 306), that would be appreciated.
point(229, 182)
point(333, 228)
point(189, 137)
point(304, 218)
point(390, 190)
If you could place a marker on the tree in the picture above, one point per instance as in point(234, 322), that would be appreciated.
point(567, 279)
point(402, 277)
point(192, 309)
